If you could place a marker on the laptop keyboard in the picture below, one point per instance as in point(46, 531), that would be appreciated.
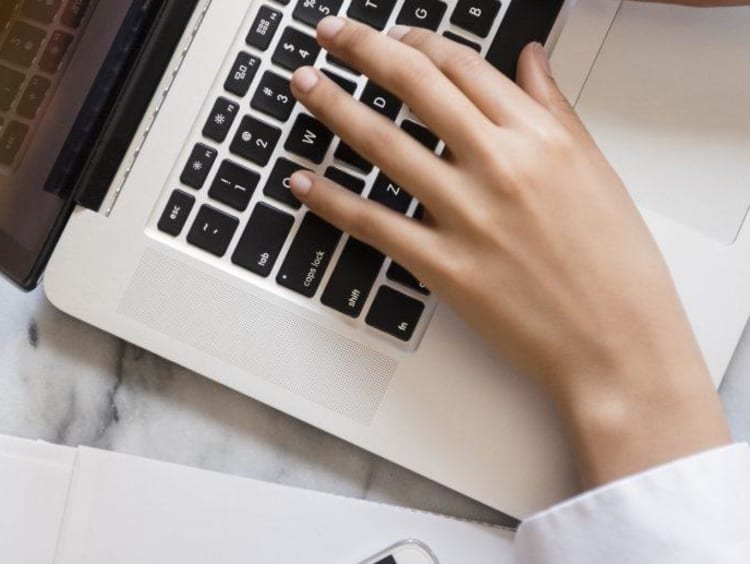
point(233, 201)
point(37, 38)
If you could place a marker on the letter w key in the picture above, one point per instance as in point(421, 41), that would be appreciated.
point(309, 139)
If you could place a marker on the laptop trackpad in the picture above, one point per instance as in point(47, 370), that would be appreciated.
point(669, 103)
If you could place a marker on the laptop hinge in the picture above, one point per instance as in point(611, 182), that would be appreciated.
point(143, 71)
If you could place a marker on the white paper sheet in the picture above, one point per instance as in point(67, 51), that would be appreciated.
point(130, 510)
point(34, 481)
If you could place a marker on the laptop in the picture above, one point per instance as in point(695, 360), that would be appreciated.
point(145, 173)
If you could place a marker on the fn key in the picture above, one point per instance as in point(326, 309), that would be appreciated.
point(395, 313)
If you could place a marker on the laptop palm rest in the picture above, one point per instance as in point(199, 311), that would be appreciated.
point(254, 335)
point(667, 102)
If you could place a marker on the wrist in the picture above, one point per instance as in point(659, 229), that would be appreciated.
point(642, 414)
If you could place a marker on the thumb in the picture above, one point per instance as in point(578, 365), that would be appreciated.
point(534, 76)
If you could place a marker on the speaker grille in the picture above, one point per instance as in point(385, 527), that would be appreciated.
point(258, 337)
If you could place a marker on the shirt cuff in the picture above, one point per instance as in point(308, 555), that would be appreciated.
point(696, 509)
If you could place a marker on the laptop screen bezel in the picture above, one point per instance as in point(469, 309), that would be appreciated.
point(133, 50)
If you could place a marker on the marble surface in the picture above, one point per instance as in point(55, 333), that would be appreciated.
point(66, 382)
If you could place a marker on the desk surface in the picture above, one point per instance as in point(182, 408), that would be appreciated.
point(68, 383)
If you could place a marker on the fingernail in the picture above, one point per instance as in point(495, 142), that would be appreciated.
point(300, 184)
point(398, 31)
point(329, 27)
point(304, 79)
point(541, 57)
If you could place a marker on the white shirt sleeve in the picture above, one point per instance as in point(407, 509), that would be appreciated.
point(694, 510)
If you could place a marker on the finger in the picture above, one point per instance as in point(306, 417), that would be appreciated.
point(409, 75)
point(395, 235)
point(498, 97)
point(535, 77)
point(407, 162)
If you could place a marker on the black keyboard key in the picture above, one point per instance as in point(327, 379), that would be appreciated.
point(395, 313)
point(234, 185)
point(264, 27)
point(421, 134)
point(346, 85)
point(312, 11)
point(309, 139)
point(390, 194)
point(419, 212)
point(295, 49)
point(7, 9)
point(341, 64)
point(346, 154)
point(372, 12)
point(242, 74)
point(33, 97)
point(220, 120)
point(41, 10)
point(353, 278)
point(22, 44)
point(263, 239)
point(522, 23)
point(274, 96)
point(422, 13)
point(380, 100)
point(57, 46)
point(74, 12)
point(399, 274)
point(308, 257)
point(278, 185)
point(198, 166)
point(10, 85)
point(11, 141)
point(351, 183)
point(476, 16)
point(462, 40)
point(176, 213)
point(212, 231)
point(255, 140)
point(283, 2)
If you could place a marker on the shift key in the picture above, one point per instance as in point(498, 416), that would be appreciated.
point(353, 278)
point(309, 256)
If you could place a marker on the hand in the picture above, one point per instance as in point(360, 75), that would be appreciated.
point(531, 237)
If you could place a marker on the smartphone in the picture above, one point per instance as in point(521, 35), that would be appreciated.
point(405, 552)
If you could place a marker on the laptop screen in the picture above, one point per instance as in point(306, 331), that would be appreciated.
point(51, 54)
